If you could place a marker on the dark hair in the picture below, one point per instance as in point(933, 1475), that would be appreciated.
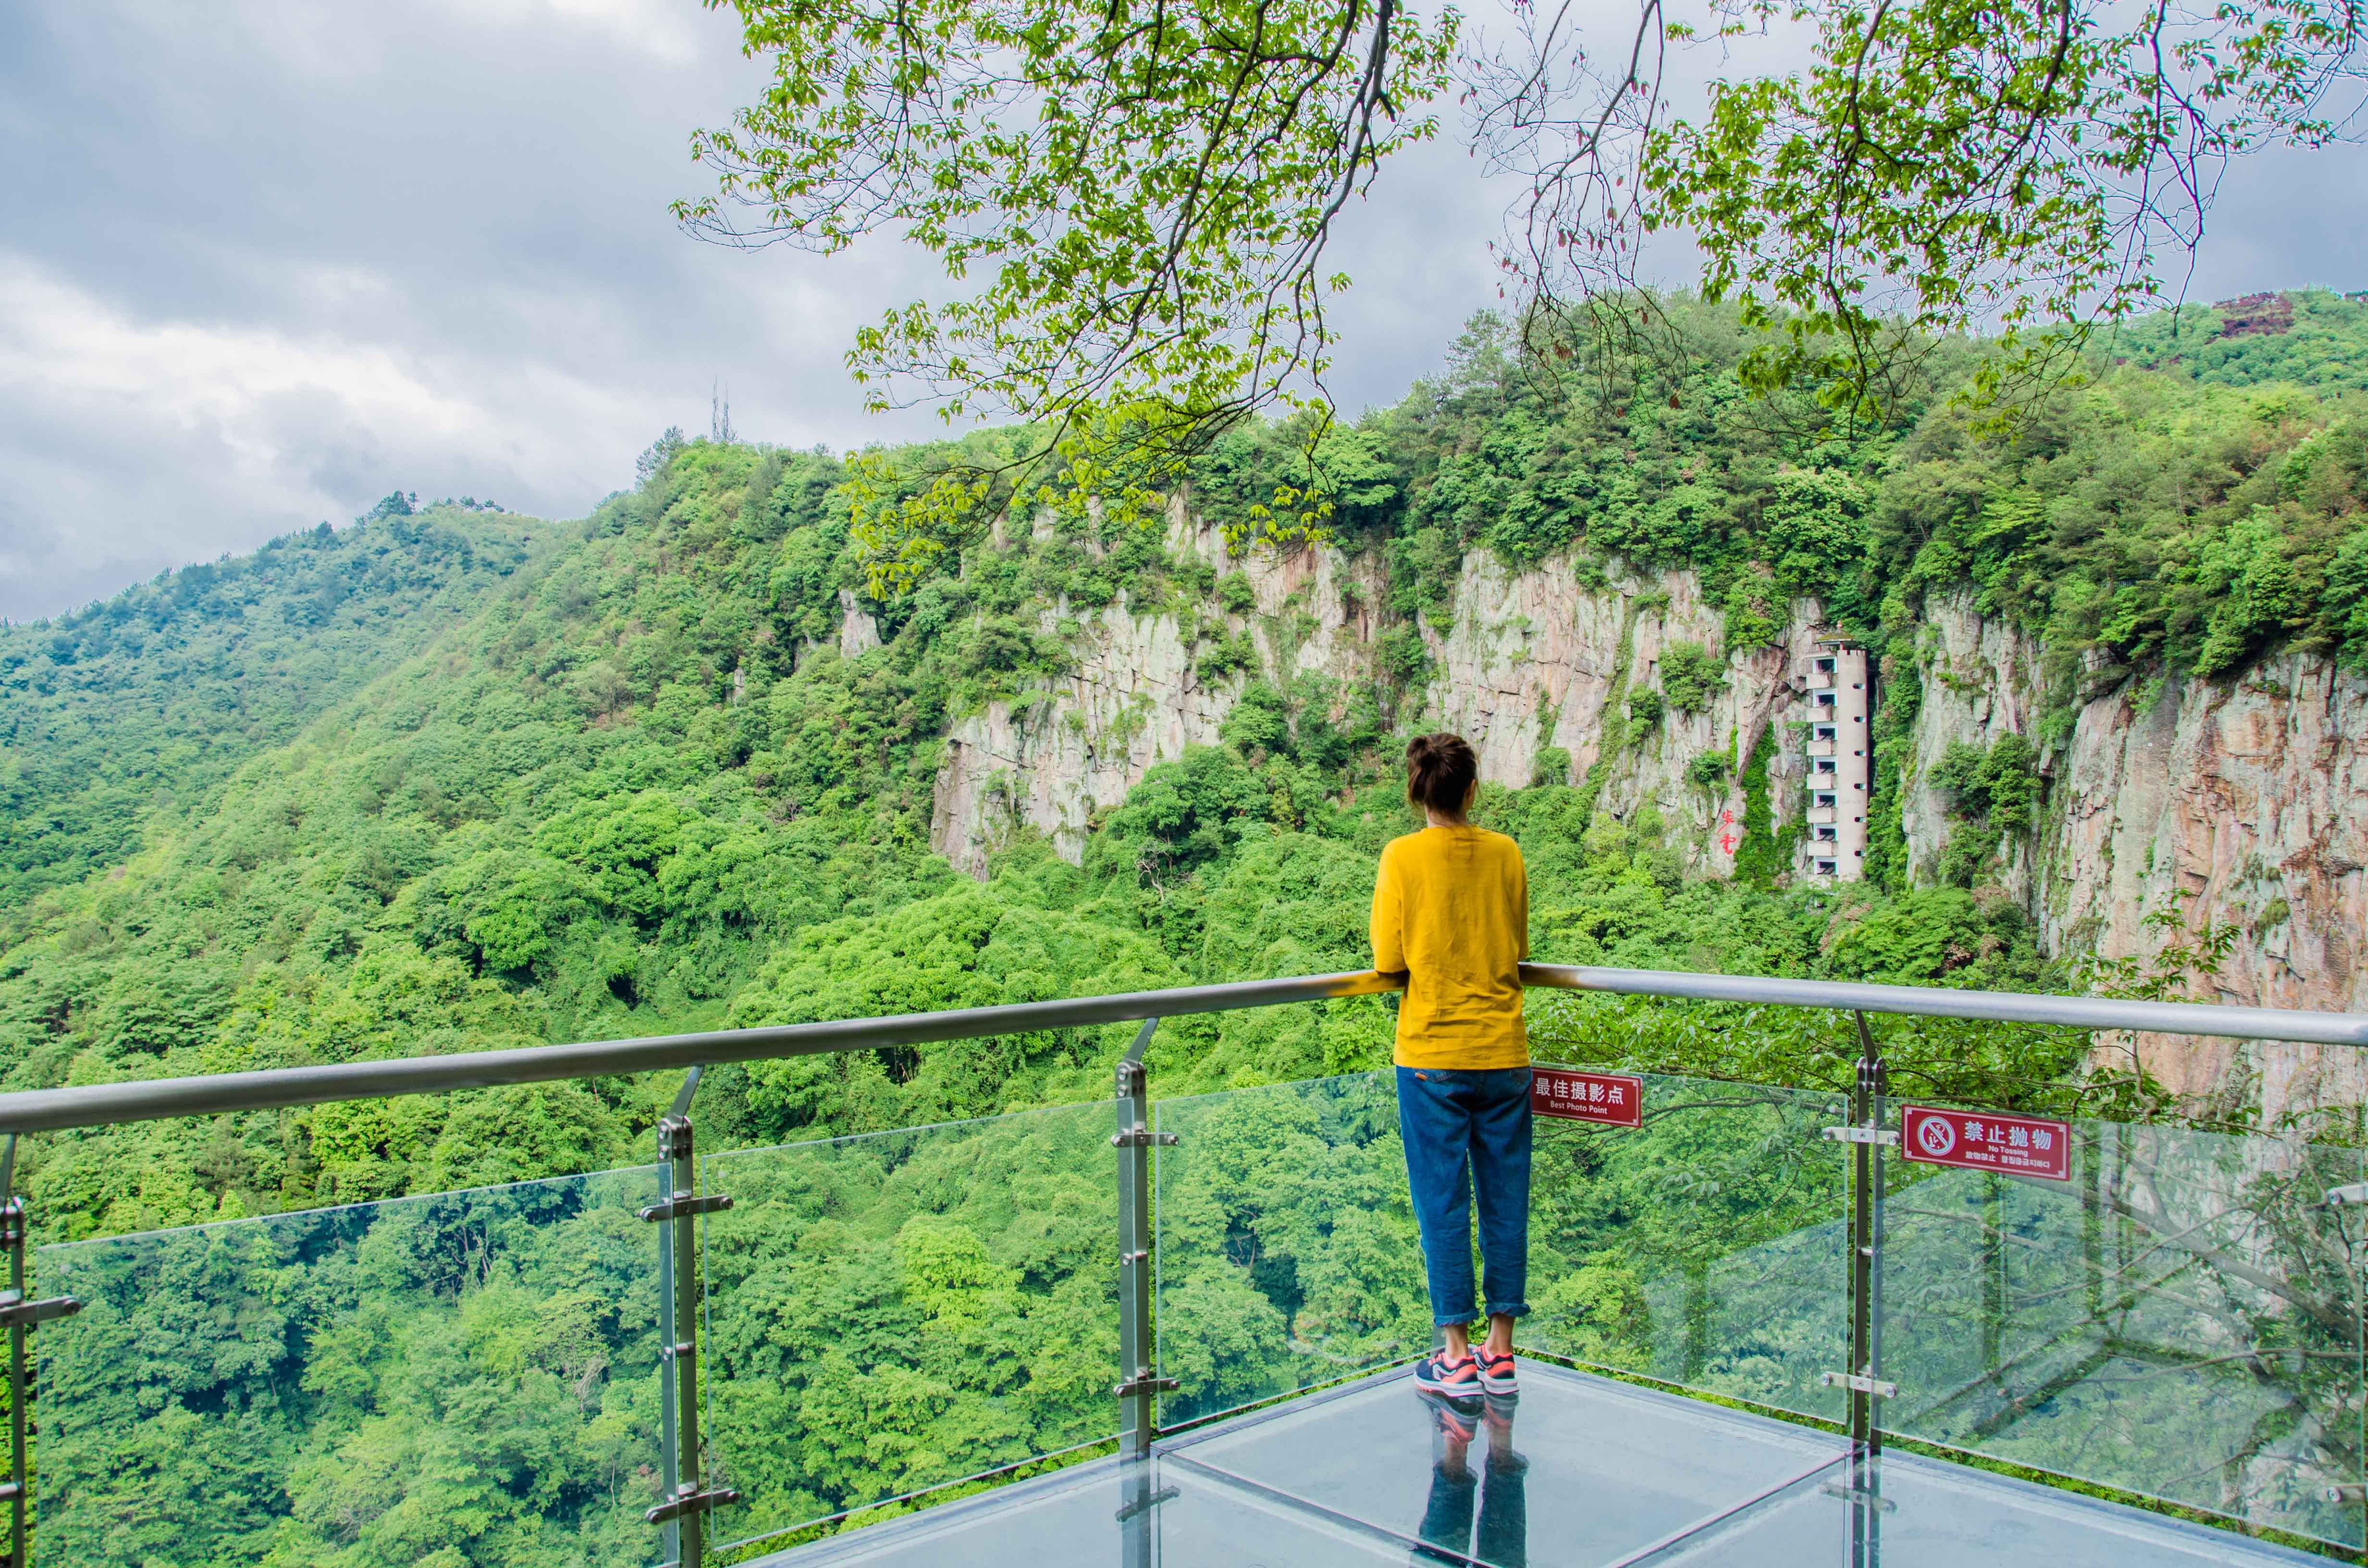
point(1440, 772)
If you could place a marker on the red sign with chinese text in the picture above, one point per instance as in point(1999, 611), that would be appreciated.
point(1986, 1141)
point(1606, 1098)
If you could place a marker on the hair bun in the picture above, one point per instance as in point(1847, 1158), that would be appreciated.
point(1441, 770)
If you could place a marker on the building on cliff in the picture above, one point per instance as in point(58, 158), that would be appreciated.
point(1841, 770)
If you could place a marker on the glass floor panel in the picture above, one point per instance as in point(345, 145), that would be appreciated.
point(1944, 1515)
point(1601, 1470)
point(1615, 1477)
point(1076, 1516)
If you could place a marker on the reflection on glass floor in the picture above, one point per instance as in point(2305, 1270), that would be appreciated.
point(1578, 1472)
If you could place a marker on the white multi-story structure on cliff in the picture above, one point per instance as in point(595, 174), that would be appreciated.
point(1841, 769)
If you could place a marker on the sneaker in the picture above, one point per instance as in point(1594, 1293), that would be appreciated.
point(1456, 1379)
point(1496, 1372)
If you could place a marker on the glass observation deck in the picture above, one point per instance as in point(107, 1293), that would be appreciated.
point(1587, 1473)
point(1769, 1325)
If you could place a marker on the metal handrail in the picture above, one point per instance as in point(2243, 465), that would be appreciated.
point(1941, 1001)
point(101, 1105)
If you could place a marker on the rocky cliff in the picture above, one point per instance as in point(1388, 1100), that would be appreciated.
point(2249, 795)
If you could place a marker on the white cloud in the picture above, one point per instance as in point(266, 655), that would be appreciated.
point(257, 426)
point(265, 260)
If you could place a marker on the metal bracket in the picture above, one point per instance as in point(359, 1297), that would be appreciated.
point(1858, 1495)
point(1140, 1137)
point(2337, 1196)
point(18, 1312)
point(682, 1204)
point(1858, 1383)
point(690, 1503)
point(1144, 1382)
point(2342, 1493)
point(1879, 1135)
point(1142, 1505)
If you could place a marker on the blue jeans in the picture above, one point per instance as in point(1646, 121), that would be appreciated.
point(1466, 1134)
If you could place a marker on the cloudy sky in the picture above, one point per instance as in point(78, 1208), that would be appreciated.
point(263, 261)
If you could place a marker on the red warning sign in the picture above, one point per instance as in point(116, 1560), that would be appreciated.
point(1987, 1141)
point(1604, 1097)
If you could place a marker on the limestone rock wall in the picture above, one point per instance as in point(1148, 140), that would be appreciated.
point(1529, 662)
point(2251, 796)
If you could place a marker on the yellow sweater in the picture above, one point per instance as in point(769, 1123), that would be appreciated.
point(1451, 909)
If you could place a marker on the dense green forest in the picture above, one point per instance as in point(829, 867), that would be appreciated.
point(145, 703)
point(453, 781)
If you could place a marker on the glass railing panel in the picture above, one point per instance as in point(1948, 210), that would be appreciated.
point(2176, 1316)
point(1707, 1246)
point(891, 1313)
point(1287, 1253)
point(464, 1379)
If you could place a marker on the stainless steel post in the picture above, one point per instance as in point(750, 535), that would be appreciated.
point(21, 1316)
point(688, 1499)
point(12, 1236)
point(1139, 1381)
point(1866, 1304)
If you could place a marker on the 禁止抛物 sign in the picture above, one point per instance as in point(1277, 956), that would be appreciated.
point(1987, 1141)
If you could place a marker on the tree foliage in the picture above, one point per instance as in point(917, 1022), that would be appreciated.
point(1133, 206)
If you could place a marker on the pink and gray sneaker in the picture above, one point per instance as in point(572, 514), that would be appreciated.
point(1459, 1379)
point(1496, 1372)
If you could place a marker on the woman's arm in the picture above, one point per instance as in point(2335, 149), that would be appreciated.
point(1389, 918)
point(1521, 902)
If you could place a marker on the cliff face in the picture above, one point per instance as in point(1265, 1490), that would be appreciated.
point(2251, 795)
point(1529, 664)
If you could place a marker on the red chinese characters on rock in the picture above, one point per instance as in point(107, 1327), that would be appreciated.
point(1605, 1098)
point(1986, 1141)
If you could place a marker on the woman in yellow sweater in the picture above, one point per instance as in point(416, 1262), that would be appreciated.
point(1452, 911)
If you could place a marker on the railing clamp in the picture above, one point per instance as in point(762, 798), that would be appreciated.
point(1138, 1255)
point(1858, 1495)
point(18, 1312)
point(1140, 1137)
point(1883, 1136)
point(1144, 1382)
point(1131, 1078)
point(1858, 1383)
point(683, 1204)
point(2351, 1494)
point(1142, 1505)
point(2337, 1196)
point(688, 1502)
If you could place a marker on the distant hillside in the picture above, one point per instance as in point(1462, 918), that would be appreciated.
point(2308, 337)
point(147, 701)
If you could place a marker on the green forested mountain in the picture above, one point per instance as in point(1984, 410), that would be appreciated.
point(147, 703)
point(526, 782)
point(635, 786)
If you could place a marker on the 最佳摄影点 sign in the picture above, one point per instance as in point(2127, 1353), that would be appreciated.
point(1608, 1100)
point(1987, 1141)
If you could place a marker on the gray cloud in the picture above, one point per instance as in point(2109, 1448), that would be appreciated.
point(265, 260)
